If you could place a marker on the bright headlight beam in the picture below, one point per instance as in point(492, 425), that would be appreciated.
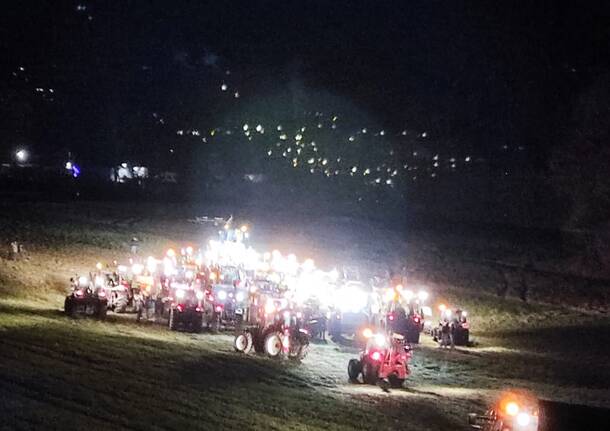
point(523, 419)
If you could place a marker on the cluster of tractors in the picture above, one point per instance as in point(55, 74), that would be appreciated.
point(274, 305)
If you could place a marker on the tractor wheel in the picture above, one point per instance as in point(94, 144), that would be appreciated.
point(299, 353)
point(370, 373)
point(173, 325)
point(273, 344)
point(354, 368)
point(101, 311)
point(465, 338)
point(243, 342)
point(395, 381)
point(413, 336)
point(69, 307)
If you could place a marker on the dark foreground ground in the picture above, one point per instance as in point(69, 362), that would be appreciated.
point(60, 373)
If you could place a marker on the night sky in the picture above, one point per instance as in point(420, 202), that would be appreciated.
point(126, 75)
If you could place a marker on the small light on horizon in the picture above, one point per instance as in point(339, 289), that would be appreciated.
point(22, 155)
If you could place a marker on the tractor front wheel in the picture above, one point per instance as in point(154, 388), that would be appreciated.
point(354, 368)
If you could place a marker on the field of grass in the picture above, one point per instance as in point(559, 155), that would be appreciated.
point(65, 374)
point(61, 373)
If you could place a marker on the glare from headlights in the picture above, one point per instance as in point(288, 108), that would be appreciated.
point(407, 294)
point(222, 295)
point(380, 340)
point(464, 314)
point(523, 419)
point(512, 408)
point(179, 293)
point(137, 268)
point(389, 295)
point(200, 295)
point(367, 333)
point(239, 296)
point(269, 306)
point(422, 295)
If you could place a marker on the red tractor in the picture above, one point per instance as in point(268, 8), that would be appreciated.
point(385, 360)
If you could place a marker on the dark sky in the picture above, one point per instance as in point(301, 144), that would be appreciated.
point(473, 73)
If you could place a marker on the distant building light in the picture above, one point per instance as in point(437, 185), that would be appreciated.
point(22, 156)
point(75, 170)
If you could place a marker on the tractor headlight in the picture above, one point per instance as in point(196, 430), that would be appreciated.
point(239, 296)
point(222, 295)
point(180, 294)
point(200, 295)
point(523, 419)
point(83, 281)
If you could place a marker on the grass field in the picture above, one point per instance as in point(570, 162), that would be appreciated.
point(60, 373)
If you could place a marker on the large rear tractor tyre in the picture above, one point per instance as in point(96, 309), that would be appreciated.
point(370, 373)
point(243, 342)
point(354, 368)
point(273, 344)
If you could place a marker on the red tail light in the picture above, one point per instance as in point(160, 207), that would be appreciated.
point(218, 308)
point(101, 294)
point(198, 309)
point(180, 308)
point(375, 356)
point(391, 317)
point(416, 319)
point(79, 292)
